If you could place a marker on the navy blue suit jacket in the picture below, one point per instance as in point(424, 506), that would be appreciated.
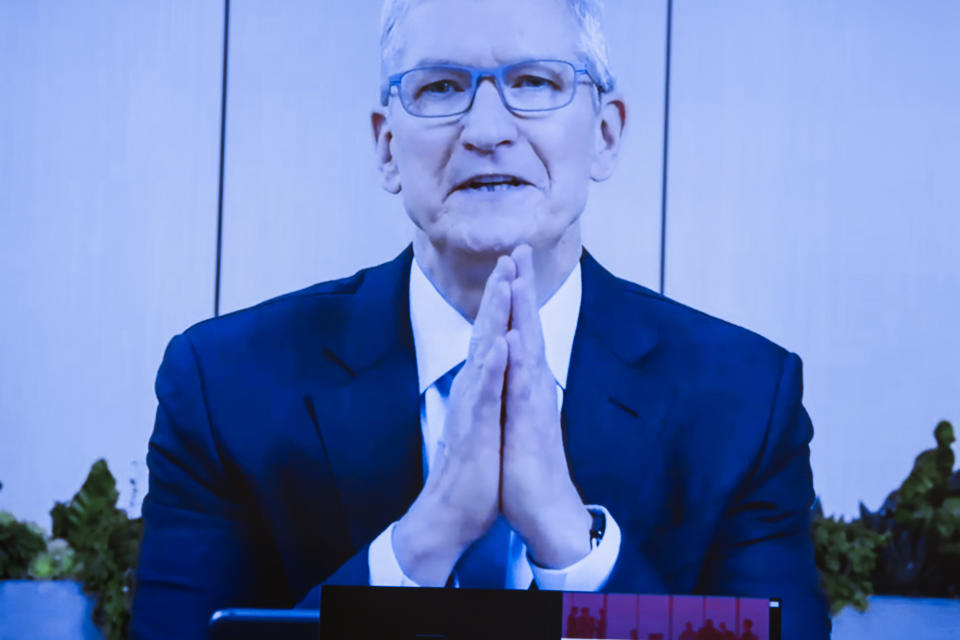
point(288, 437)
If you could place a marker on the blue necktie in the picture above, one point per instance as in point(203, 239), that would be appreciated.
point(484, 564)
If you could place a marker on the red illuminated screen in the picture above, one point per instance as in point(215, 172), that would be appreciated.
point(632, 617)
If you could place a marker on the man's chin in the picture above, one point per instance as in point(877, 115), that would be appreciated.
point(493, 232)
point(483, 250)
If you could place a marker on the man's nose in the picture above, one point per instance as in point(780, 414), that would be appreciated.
point(488, 124)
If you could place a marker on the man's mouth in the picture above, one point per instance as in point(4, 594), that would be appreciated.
point(491, 183)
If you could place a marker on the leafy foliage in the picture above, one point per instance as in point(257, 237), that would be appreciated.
point(923, 518)
point(910, 546)
point(20, 543)
point(56, 562)
point(846, 553)
point(26, 553)
point(105, 543)
point(928, 484)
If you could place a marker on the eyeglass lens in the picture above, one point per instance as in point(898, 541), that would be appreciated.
point(537, 85)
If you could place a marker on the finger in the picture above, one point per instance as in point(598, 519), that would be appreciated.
point(523, 257)
point(519, 388)
point(477, 394)
point(491, 321)
point(488, 314)
point(494, 312)
point(492, 376)
point(518, 368)
point(525, 314)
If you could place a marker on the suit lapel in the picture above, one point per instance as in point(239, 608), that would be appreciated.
point(614, 406)
point(368, 417)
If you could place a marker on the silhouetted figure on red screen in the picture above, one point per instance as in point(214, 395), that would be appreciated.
point(688, 633)
point(585, 624)
point(601, 627)
point(726, 634)
point(708, 631)
point(747, 633)
point(572, 623)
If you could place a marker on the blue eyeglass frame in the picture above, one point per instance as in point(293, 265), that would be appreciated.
point(497, 73)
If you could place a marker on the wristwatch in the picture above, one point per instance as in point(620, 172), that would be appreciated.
point(597, 528)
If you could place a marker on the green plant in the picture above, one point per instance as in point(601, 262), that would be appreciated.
point(26, 553)
point(910, 546)
point(93, 541)
point(847, 554)
point(927, 487)
point(105, 545)
point(56, 562)
point(923, 518)
point(20, 543)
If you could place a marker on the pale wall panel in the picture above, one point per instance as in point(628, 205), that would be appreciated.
point(813, 197)
point(302, 195)
point(109, 143)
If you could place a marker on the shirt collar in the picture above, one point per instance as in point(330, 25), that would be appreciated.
point(441, 336)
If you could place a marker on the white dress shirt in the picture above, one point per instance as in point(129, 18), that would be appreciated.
point(441, 339)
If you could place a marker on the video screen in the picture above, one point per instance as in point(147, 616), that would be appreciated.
point(659, 617)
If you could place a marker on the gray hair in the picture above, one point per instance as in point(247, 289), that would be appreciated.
point(591, 43)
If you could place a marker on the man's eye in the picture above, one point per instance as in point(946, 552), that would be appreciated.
point(440, 88)
point(533, 82)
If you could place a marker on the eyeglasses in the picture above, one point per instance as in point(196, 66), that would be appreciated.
point(446, 90)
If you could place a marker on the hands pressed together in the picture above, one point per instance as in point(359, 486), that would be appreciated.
point(502, 448)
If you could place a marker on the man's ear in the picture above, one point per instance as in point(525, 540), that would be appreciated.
point(383, 140)
point(609, 133)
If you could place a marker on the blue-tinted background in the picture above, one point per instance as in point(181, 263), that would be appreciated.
point(812, 195)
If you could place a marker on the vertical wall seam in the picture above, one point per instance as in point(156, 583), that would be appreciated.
point(666, 147)
point(223, 141)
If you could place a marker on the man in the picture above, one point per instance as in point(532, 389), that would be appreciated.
point(491, 408)
point(572, 629)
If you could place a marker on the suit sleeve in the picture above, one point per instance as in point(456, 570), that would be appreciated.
point(354, 572)
point(763, 545)
point(199, 551)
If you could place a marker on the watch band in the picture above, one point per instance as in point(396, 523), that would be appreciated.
point(597, 528)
